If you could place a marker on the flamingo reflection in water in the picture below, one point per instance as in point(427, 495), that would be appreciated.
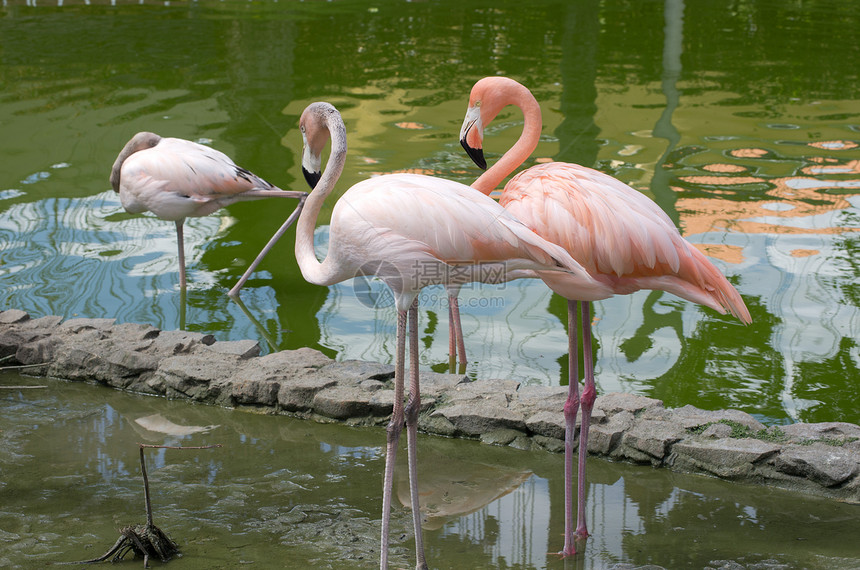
point(176, 179)
point(410, 231)
point(620, 236)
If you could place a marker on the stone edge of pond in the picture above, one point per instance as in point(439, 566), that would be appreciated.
point(821, 459)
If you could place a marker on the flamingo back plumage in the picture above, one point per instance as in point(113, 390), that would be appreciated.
point(617, 234)
point(424, 227)
point(176, 179)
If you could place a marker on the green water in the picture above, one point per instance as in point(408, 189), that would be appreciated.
point(287, 493)
point(741, 119)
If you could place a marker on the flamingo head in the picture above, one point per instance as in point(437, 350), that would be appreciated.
point(140, 141)
point(315, 135)
point(489, 96)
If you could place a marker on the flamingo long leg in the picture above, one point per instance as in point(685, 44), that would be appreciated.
point(456, 333)
point(589, 394)
point(180, 239)
point(395, 426)
point(413, 406)
point(571, 407)
point(452, 336)
point(272, 241)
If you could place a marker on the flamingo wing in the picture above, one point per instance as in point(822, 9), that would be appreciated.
point(412, 217)
point(617, 232)
point(178, 178)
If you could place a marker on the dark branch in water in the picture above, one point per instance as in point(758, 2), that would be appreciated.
point(143, 540)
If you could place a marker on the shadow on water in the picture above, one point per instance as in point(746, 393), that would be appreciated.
point(284, 492)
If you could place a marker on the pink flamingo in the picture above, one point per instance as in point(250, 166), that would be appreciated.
point(410, 231)
point(176, 179)
point(621, 237)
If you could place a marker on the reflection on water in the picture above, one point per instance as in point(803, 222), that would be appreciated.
point(751, 146)
point(292, 493)
point(761, 174)
point(793, 238)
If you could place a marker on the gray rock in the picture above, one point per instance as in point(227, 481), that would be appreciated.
point(495, 392)
point(132, 332)
point(825, 431)
point(41, 350)
point(286, 365)
point(622, 402)
point(79, 324)
point(653, 437)
point(13, 316)
point(438, 424)
point(597, 417)
point(254, 392)
point(356, 371)
point(11, 339)
point(297, 394)
point(199, 377)
point(541, 398)
point(691, 417)
point(44, 324)
point(242, 348)
point(826, 465)
point(604, 438)
point(124, 364)
point(381, 402)
point(74, 362)
point(479, 417)
point(717, 431)
point(342, 402)
point(170, 343)
point(548, 424)
point(435, 383)
point(500, 436)
point(507, 388)
point(548, 443)
point(730, 458)
point(371, 385)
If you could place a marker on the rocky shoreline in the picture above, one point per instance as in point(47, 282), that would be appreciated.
point(821, 459)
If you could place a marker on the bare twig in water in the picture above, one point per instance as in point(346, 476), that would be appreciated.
point(17, 366)
point(143, 539)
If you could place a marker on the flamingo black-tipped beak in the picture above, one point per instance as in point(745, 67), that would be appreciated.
point(472, 132)
point(476, 154)
point(312, 177)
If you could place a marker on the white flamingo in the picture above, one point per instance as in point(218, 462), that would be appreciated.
point(176, 179)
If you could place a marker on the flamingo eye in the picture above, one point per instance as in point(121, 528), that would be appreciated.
point(477, 103)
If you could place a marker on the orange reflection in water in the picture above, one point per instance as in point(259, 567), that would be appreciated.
point(722, 167)
point(803, 252)
point(795, 208)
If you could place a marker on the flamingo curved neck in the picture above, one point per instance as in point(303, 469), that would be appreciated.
point(314, 271)
point(524, 146)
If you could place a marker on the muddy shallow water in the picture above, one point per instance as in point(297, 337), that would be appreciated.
point(287, 493)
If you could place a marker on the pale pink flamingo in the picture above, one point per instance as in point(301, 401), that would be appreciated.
point(620, 236)
point(176, 179)
point(410, 231)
